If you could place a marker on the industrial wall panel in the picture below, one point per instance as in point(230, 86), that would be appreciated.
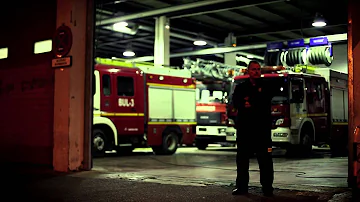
point(27, 83)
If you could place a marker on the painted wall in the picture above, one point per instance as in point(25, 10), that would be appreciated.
point(340, 58)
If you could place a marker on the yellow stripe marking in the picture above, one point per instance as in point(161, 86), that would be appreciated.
point(340, 123)
point(310, 115)
point(192, 86)
point(122, 114)
point(172, 123)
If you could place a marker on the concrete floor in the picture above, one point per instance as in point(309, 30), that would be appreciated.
point(189, 175)
point(216, 165)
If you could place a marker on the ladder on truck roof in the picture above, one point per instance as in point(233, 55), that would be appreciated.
point(207, 69)
point(297, 69)
point(146, 67)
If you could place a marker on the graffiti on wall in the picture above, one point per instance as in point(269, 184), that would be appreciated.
point(23, 86)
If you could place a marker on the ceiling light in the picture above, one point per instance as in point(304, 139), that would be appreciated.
point(128, 53)
point(250, 56)
point(120, 25)
point(319, 21)
point(319, 24)
point(200, 43)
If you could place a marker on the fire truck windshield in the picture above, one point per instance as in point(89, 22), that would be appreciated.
point(212, 92)
point(278, 86)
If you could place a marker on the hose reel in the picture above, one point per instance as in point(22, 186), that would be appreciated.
point(302, 56)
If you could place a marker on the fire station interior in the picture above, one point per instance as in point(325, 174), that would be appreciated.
point(215, 40)
point(162, 81)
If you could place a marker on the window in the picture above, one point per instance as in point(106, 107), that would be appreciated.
point(4, 53)
point(125, 86)
point(43, 46)
point(106, 83)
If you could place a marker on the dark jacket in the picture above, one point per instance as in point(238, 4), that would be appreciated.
point(253, 104)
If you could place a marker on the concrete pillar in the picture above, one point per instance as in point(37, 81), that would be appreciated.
point(354, 79)
point(162, 42)
point(230, 58)
point(71, 87)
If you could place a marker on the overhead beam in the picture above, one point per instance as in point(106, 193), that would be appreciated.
point(228, 6)
point(159, 12)
point(176, 35)
point(124, 41)
point(212, 51)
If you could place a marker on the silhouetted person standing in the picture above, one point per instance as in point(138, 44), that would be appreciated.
point(252, 100)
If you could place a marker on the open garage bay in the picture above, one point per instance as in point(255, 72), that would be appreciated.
point(217, 165)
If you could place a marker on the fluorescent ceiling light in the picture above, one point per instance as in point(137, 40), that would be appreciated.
point(120, 26)
point(200, 43)
point(129, 53)
point(319, 23)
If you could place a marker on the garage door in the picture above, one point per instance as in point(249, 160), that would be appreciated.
point(27, 82)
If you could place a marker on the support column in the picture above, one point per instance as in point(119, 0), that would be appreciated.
point(230, 58)
point(162, 42)
point(354, 80)
point(71, 86)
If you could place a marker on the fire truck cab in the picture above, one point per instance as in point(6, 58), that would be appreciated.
point(137, 105)
point(211, 112)
point(214, 81)
point(307, 108)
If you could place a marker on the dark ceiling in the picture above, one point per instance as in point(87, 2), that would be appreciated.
point(251, 21)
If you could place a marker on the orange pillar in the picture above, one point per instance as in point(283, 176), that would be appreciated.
point(72, 88)
point(354, 82)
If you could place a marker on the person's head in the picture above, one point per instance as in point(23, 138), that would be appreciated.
point(254, 70)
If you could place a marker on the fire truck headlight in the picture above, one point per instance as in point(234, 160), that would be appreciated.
point(280, 134)
point(279, 122)
point(231, 122)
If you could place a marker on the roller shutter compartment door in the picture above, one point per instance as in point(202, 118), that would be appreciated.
point(27, 84)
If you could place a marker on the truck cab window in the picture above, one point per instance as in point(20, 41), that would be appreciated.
point(106, 83)
point(125, 86)
point(297, 91)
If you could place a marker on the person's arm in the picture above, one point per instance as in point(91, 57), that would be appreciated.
point(235, 97)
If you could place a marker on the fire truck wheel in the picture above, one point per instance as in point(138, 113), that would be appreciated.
point(304, 149)
point(201, 145)
point(124, 150)
point(306, 143)
point(169, 145)
point(99, 143)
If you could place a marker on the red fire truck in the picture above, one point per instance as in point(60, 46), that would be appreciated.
point(212, 88)
point(308, 108)
point(139, 105)
point(211, 112)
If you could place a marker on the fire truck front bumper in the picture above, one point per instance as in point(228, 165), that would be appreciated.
point(230, 134)
point(211, 133)
point(281, 136)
